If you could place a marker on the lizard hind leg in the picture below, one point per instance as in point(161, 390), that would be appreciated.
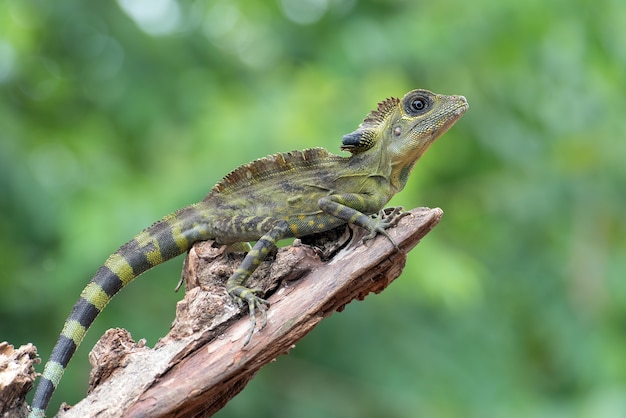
point(239, 247)
point(235, 286)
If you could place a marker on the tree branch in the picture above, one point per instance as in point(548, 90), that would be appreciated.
point(202, 363)
point(17, 375)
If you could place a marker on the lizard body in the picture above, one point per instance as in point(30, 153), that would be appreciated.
point(283, 195)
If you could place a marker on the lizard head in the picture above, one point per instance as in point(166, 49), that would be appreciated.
point(403, 129)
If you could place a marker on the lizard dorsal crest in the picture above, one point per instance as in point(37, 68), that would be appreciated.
point(378, 115)
point(271, 165)
point(364, 137)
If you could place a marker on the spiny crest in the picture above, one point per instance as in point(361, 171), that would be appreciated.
point(365, 136)
point(378, 115)
point(262, 168)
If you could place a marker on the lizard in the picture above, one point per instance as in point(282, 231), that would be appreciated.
point(284, 195)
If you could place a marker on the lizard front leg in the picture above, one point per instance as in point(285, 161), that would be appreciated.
point(236, 282)
point(350, 207)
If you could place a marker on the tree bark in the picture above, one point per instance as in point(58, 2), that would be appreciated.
point(17, 375)
point(202, 363)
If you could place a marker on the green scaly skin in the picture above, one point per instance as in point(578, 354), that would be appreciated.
point(284, 195)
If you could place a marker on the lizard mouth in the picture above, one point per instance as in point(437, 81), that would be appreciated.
point(458, 111)
point(439, 128)
point(462, 107)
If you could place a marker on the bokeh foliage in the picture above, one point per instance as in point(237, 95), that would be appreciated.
point(113, 114)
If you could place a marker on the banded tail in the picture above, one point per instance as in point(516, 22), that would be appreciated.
point(166, 239)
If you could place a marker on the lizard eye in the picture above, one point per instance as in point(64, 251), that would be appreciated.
point(417, 104)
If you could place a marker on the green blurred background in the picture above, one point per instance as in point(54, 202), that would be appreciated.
point(113, 114)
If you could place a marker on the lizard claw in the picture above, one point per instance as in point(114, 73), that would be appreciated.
point(391, 216)
point(382, 221)
point(244, 296)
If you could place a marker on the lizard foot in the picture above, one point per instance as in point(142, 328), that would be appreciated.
point(385, 219)
point(243, 295)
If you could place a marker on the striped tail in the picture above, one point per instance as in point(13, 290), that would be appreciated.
point(166, 239)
